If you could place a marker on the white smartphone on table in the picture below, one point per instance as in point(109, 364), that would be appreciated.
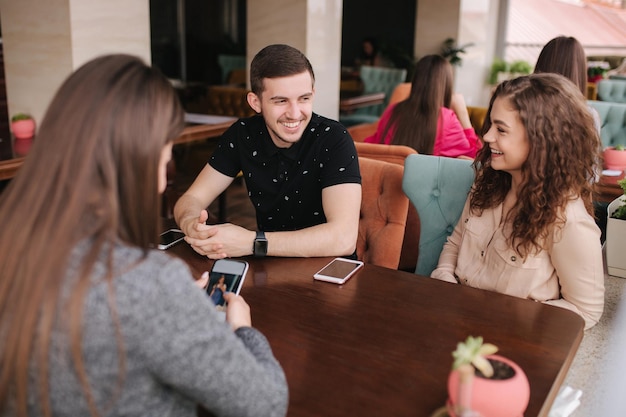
point(169, 238)
point(226, 275)
point(338, 271)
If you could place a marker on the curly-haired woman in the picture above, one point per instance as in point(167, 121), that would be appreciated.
point(527, 228)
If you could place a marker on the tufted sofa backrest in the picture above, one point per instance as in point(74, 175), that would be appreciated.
point(228, 101)
point(613, 122)
point(613, 90)
point(438, 187)
point(384, 210)
point(380, 79)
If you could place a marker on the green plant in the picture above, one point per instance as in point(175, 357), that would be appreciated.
point(473, 352)
point(520, 67)
point(619, 148)
point(596, 68)
point(451, 51)
point(498, 65)
point(21, 116)
point(516, 67)
point(620, 213)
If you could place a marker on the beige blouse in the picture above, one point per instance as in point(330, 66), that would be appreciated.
point(568, 274)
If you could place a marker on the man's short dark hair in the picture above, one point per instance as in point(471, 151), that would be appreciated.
point(276, 61)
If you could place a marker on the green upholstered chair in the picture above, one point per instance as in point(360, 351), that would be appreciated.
point(612, 120)
point(375, 80)
point(437, 187)
point(230, 63)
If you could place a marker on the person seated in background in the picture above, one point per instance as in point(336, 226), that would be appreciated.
point(432, 120)
point(566, 56)
point(301, 171)
point(369, 54)
point(95, 321)
point(527, 228)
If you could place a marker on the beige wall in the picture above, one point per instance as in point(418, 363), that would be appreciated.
point(435, 22)
point(312, 26)
point(44, 41)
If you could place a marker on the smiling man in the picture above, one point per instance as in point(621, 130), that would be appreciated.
point(301, 170)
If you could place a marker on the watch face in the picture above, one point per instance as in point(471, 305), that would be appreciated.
point(260, 247)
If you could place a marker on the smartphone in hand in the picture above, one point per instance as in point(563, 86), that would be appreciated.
point(338, 271)
point(226, 275)
point(169, 238)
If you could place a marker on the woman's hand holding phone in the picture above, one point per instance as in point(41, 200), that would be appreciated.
point(237, 311)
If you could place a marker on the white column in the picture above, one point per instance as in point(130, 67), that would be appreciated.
point(44, 41)
point(312, 26)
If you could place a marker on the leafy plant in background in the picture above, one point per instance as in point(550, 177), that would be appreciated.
point(20, 116)
point(451, 51)
point(515, 68)
point(620, 213)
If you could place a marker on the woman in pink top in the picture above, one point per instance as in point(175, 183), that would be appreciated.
point(431, 120)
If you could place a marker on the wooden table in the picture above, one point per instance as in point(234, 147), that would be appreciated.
point(349, 102)
point(381, 344)
point(607, 189)
point(193, 132)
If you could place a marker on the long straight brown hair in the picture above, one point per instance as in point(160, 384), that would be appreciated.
point(416, 118)
point(91, 175)
point(566, 56)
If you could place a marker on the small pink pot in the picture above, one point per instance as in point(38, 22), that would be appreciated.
point(614, 159)
point(493, 398)
point(23, 129)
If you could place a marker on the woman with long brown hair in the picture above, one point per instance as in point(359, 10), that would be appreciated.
point(95, 322)
point(527, 228)
point(432, 120)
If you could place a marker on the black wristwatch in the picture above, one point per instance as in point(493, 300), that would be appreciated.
point(260, 244)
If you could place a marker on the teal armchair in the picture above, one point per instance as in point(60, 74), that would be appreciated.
point(613, 90)
point(375, 80)
point(612, 120)
point(437, 187)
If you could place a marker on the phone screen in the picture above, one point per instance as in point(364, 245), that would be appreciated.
point(170, 237)
point(338, 270)
point(226, 276)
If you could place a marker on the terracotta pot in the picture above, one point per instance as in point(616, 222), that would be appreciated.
point(614, 159)
point(490, 397)
point(23, 129)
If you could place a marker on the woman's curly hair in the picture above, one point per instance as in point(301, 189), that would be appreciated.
point(563, 152)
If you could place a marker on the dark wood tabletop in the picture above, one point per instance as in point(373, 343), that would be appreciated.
point(350, 101)
point(381, 344)
point(607, 189)
point(193, 132)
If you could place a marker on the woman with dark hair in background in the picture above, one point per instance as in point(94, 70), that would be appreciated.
point(432, 120)
point(94, 321)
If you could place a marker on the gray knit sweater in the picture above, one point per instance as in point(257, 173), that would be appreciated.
point(178, 352)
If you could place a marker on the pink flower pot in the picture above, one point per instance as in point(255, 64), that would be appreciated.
point(490, 397)
point(22, 146)
point(614, 159)
point(23, 129)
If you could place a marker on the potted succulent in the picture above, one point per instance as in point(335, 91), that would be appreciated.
point(482, 383)
point(23, 126)
point(615, 157)
point(616, 234)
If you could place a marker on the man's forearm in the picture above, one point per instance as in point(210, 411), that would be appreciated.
point(187, 209)
point(321, 240)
